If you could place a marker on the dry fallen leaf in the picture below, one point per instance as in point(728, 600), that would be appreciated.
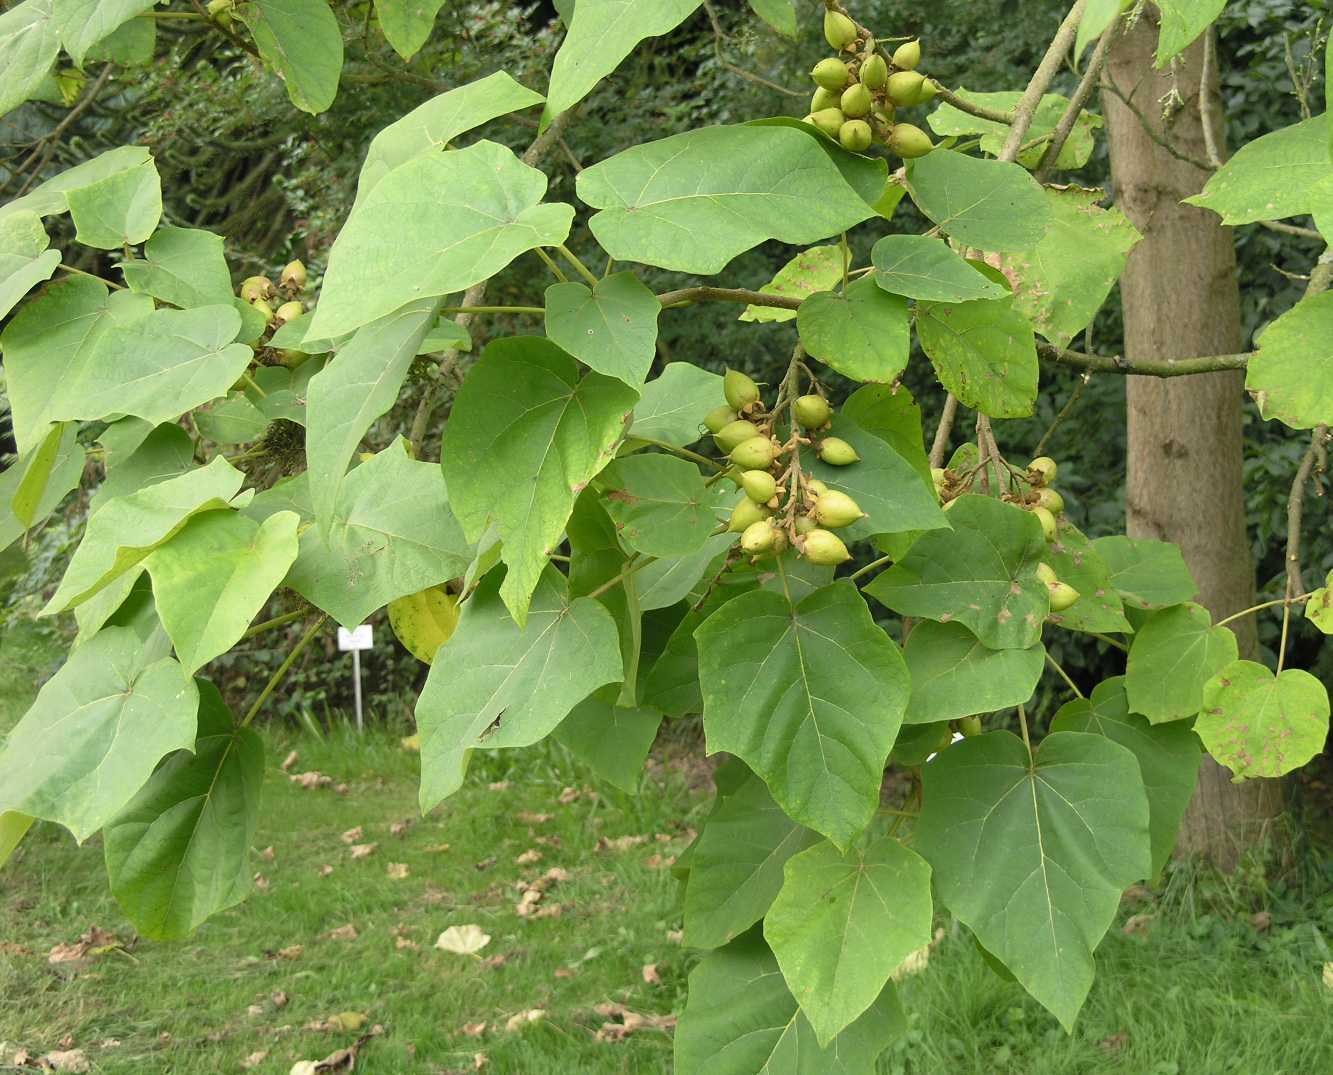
point(918, 960)
point(310, 780)
point(406, 943)
point(620, 843)
point(290, 760)
point(650, 975)
point(255, 1010)
point(397, 871)
point(94, 942)
point(660, 862)
point(474, 1030)
point(1137, 923)
point(279, 998)
point(261, 882)
point(1261, 920)
point(267, 854)
point(1113, 1043)
point(353, 835)
point(292, 951)
point(343, 933)
point(435, 849)
point(629, 1022)
point(498, 785)
point(361, 851)
point(256, 1058)
point(564, 972)
point(66, 1060)
point(676, 936)
point(530, 856)
point(463, 940)
point(479, 1061)
point(400, 827)
point(305, 1067)
point(568, 796)
point(529, 818)
point(522, 1019)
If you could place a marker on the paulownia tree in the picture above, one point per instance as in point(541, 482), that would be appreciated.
point(597, 550)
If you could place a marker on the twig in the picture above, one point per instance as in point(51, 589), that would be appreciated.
point(1150, 367)
point(1046, 71)
point(972, 108)
point(46, 145)
point(1064, 413)
point(283, 668)
point(1207, 112)
point(719, 37)
point(1065, 127)
point(943, 431)
point(1148, 129)
point(728, 294)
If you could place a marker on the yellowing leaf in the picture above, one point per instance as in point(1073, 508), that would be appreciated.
point(463, 940)
point(424, 622)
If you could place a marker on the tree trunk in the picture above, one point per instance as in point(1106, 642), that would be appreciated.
point(1182, 297)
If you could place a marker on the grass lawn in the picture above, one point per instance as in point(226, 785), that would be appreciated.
point(1198, 989)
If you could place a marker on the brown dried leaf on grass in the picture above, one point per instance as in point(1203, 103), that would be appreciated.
point(353, 835)
point(94, 942)
point(361, 851)
point(311, 780)
point(621, 1022)
point(290, 760)
point(522, 1019)
point(342, 933)
point(397, 871)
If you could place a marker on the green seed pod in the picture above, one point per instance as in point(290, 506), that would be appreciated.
point(839, 30)
point(744, 515)
point(826, 549)
point(835, 510)
point(875, 73)
point(928, 92)
point(1062, 596)
point(907, 56)
point(804, 524)
point(1049, 527)
point(830, 74)
point(814, 488)
point(856, 101)
point(719, 418)
point(220, 10)
point(734, 433)
point(293, 276)
point(1047, 574)
point(855, 135)
point(759, 538)
point(256, 287)
point(970, 727)
point(265, 309)
point(288, 311)
point(903, 88)
point(885, 113)
point(830, 121)
point(291, 359)
point(909, 141)
point(1042, 470)
point(824, 99)
point(812, 411)
point(740, 390)
point(757, 453)
point(759, 485)
point(1051, 501)
point(836, 452)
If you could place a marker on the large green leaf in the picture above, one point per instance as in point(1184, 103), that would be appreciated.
point(25, 260)
point(1146, 573)
point(95, 732)
point(984, 352)
point(1173, 655)
point(954, 675)
point(1291, 375)
point(213, 577)
point(736, 865)
point(301, 41)
point(166, 451)
point(613, 739)
point(120, 210)
point(392, 535)
point(884, 483)
point(611, 327)
point(33, 485)
point(496, 684)
point(29, 42)
point(862, 333)
point(433, 125)
point(597, 558)
point(52, 196)
point(891, 414)
point(991, 204)
point(1076, 561)
point(1078, 146)
point(128, 528)
point(664, 582)
point(434, 226)
point(233, 420)
point(1097, 16)
point(1182, 22)
point(741, 1019)
point(1032, 854)
point(779, 14)
point(525, 436)
point(180, 851)
point(842, 925)
point(1259, 724)
point(726, 189)
point(810, 695)
point(83, 23)
point(1168, 756)
point(601, 34)
point(182, 266)
point(673, 405)
point(820, 268)
point(982, 574)
point(923, 268)
point(661, 506)
point(358, 386)
point(407, 23)
point(75, 352)
point(1061, 283)
point(1281, 174)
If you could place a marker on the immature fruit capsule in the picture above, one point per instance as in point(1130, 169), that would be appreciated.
point(288, 311)
point(757, 453)
point(220, 11)
point(830, 121)
point(1042, 470)
point(830, 74)
point(1049, 527)
point(875, 73)
point(836, 452)
point(815, 488)
point(835, 509)
point(928, 92)
point(256, 287)
point(970, 727)
point(744, 515)
point(740, 390)
point(824, 548)
point(293, 276)
point(804, 524)
point(909, 142)
point(839, 30)
point(824, 99)
point(265, 309)
point(1051, 500)
point(719, 418)
point(759, 485)
point(856, 102)
point(291, 359)
point(903, 88)
point(855, 135)
point(1062, 595)
point(734, 433)
point(812, 411)
point(1046, 573)
point(907, 56)
point(759, 538)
